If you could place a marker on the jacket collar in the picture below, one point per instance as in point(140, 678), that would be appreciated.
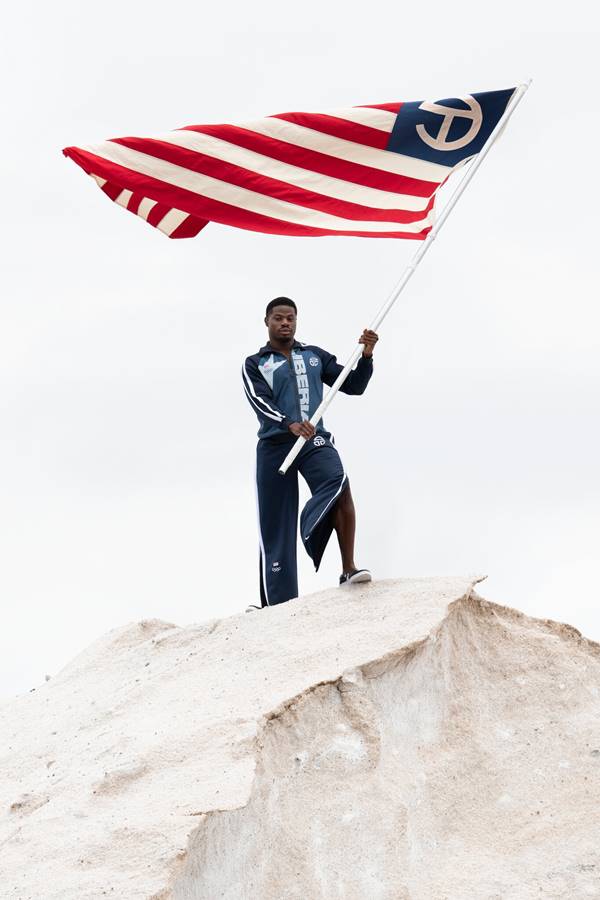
point(268, 349)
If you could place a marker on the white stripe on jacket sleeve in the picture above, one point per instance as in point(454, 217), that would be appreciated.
point(279, 417)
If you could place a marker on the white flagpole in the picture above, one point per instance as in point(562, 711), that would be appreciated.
point(318, 414)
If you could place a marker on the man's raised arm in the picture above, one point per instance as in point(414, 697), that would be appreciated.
point(357, 379)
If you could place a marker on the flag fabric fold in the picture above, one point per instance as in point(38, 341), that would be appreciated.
point(363, 171)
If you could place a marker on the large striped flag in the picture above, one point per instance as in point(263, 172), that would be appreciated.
point(367, 171)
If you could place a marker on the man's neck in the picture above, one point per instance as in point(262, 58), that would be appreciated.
point(282, 347)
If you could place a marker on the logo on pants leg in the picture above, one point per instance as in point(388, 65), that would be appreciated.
point(319, 441)
point(276, 567)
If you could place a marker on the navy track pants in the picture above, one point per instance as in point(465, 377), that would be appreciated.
point(277, 501)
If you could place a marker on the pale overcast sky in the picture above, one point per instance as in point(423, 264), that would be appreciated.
point(127, 445)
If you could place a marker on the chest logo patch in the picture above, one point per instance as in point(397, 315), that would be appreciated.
point(314, 361)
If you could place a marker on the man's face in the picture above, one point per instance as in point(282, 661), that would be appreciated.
point(281, 323)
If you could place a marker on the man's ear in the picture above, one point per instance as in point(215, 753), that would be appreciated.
point(266, 322)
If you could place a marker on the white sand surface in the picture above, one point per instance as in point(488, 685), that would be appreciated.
point(401, 739)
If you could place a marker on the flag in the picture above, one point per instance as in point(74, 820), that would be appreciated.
point(365, 171)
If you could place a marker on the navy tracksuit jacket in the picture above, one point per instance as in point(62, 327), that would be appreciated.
point(283, 391)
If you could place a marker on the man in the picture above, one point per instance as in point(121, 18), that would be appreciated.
point(284, 385)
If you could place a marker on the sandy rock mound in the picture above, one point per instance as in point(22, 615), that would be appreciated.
point(402, 739)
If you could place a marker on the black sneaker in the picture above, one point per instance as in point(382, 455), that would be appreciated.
point(355, 576)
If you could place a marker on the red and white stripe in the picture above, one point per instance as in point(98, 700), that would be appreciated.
point(304, 174)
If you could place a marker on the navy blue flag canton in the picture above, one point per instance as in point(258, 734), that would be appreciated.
point(448, 131)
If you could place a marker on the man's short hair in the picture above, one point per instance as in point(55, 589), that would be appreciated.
point(281, 301)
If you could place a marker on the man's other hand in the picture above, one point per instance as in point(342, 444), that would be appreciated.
point(369, 339)
point(302, 429)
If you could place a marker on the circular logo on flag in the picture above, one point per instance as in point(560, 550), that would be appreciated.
point(314, 361)
point(439, 142)
point(319, 441)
